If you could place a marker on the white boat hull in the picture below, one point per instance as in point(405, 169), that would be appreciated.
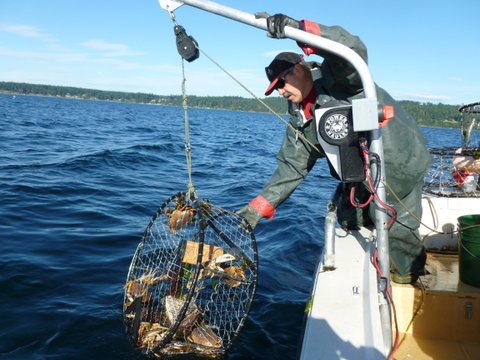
point(343, 319)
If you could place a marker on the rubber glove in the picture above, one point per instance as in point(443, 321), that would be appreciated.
point(276, 24)
point(251, 215)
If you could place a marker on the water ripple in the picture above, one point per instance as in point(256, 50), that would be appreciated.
point(80, 180)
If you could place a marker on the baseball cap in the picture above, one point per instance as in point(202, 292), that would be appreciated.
point(278, 66)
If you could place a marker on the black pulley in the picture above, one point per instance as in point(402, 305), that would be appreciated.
point(186, 45)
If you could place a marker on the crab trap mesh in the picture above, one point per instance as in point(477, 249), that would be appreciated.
point(454, 173)
point(191, 281)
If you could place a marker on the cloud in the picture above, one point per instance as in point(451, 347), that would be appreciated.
point(27, 31)
point(119, 64)
point(167, 68)
point(47, 56)
point(105, 52)
point(273, 53)
point(423, 97)
point(65, 57)
point(110, 49)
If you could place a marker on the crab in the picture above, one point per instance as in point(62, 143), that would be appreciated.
point(139, 287)
point(214, 266)
point(234, 276)
point(223, 267)
point(180, 216)
point(149, 335)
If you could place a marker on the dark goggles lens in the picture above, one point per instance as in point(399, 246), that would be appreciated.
point(281, 82)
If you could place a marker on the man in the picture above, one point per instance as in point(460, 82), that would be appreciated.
point(310, 86)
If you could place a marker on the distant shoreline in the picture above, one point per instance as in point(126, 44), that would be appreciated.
point(426, 114)
point(120, 102)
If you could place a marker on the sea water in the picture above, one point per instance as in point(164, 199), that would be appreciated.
point(79, 182)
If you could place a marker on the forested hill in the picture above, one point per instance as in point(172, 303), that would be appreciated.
point(427, 114)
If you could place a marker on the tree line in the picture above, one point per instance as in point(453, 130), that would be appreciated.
point(427, 114)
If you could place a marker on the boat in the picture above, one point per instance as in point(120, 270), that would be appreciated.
point(436, 318)
point(367, 316)
point(439, 318)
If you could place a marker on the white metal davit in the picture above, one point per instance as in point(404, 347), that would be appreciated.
point(348, 316)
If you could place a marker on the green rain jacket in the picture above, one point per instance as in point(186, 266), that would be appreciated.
point(406, 157)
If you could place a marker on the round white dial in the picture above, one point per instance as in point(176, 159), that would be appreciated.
point(336, 126)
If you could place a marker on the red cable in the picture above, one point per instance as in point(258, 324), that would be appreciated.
point(367, 175)
point(386, 206)
point(392, 303)
point(374, 194)
point(352, 199)
point(372, 189)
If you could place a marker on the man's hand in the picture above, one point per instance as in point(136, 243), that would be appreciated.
point(276, 25)
point(250, 214)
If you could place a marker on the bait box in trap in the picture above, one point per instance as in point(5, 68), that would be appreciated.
point(209, 252)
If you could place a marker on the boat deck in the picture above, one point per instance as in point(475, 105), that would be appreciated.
point(445, 313)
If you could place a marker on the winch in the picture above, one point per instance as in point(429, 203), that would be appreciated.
point(340, 127)
point(339, 141)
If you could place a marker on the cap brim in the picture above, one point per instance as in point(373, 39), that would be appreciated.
point(272, 85)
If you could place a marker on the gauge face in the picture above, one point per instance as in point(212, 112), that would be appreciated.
point(336, 126)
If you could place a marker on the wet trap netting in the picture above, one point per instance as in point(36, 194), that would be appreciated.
point(191, 281)
point(454, 173)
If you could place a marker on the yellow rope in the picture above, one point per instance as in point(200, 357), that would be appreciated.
point(295, 130)
point(419, 220)
point(300, 134)
point(417, 310)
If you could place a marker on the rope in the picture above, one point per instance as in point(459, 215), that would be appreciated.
point(415, 313)
point(299, 133)
point(295, 130)
point(419, 220)
point(269, 108)
point(191, 193)
point(407, 209)
point(188, 150)
point(475, 256)
point(191, 189)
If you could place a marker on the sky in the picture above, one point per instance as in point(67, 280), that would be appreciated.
point(421, 50)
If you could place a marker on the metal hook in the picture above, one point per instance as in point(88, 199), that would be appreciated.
point(172, 16)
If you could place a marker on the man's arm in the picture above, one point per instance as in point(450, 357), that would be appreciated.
point(343, 72)
point(294, 162)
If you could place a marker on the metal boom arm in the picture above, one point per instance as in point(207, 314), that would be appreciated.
point(291, 33)
point(371, 124)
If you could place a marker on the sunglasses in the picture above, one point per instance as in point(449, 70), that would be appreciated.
point(281, 82)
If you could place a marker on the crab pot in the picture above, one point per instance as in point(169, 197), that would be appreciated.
point(191, 281)
point(469, 256)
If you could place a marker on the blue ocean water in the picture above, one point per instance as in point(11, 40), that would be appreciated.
point(79, 182)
